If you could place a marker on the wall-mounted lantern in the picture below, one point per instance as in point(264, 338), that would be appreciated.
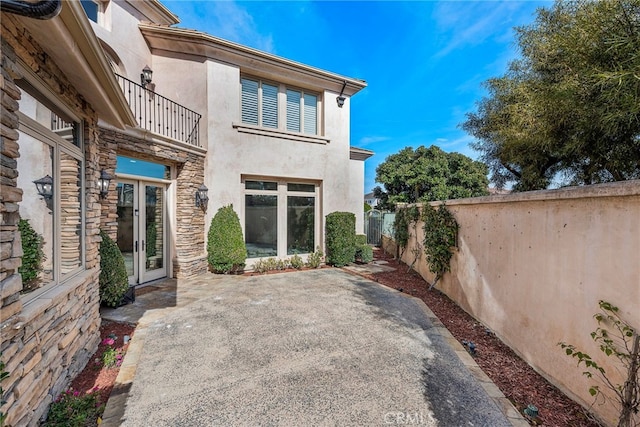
point(202, 197)
point(45, 187)
point(145, 77)
point(103, 183)
point(340, 99)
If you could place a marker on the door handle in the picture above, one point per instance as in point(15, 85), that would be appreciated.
point(143, 246)
point(136, 246)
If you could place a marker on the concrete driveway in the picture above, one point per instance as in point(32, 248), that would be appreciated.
point(312, 348)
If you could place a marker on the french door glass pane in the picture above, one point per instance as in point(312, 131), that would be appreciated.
point(154, 207)
point(125, 224)
point(261, 225)
point(300, 224)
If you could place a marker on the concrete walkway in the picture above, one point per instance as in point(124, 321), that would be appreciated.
point(313, 348)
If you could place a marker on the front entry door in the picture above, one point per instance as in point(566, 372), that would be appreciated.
point(142, 229)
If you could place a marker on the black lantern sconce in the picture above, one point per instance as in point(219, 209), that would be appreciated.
point(145, 78)
point(45, 187)
point(340, 99)
point(103, 183)
point(202, 197)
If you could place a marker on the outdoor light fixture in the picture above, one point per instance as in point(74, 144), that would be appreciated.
point(103, 183)
point(45, 187)
point(340, 99)
point(202, 198)
point(145, 78)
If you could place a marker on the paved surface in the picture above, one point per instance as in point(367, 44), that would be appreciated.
point(313, 348)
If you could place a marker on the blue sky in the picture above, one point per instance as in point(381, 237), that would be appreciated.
point(424, 61)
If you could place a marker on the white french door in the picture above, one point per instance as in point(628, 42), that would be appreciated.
point(142, 235)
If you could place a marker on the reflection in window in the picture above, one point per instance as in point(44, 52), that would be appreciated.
point(70, 213)
point(261, 225)
point(300, 224)
point(52, 226)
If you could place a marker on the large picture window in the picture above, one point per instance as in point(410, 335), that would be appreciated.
point(260, 107)
point(50, 174)
point(280, 218)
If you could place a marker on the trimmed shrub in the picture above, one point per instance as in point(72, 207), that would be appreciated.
point(226, 250)
point(32, 255)
point(114, 281)
point(296, 262)
point(364, 253)
point(341, 238)
point(314, 260)
point(361, 239)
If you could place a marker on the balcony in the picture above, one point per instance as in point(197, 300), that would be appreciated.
point(161, 115)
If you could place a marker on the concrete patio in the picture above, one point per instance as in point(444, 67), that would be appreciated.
point(318, 347)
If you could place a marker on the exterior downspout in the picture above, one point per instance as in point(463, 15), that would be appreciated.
point(44, 9)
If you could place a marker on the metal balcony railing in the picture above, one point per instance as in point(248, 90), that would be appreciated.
point(161, 115)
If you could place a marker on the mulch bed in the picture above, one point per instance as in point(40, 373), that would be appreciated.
point(94, 375)
point(518, 381)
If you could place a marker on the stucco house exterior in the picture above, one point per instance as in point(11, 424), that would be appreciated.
point(266, 134)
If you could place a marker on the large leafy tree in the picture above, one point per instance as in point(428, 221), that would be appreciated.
point(569, 108)
point(427, 174)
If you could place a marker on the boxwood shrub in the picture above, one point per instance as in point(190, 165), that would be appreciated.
point(226, 250)
point(114, 281)
point(341, 238)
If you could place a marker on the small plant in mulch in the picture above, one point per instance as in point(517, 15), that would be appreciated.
point(74, 409)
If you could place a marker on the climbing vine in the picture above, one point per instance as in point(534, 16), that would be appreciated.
point(615, 337)
point(404, 217)
point(440, 236)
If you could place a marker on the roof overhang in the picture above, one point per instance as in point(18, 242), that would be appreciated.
point(155, 11)
point(356, 153)
point(70, 42)
point(191, 43)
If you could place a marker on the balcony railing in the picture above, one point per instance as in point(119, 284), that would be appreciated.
point(161, 115)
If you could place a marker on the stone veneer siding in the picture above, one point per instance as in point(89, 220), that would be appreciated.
point(189, 253)
point(47, 341)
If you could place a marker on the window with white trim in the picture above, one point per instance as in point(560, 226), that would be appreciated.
point(280, 218)
point(96, 11)
point(260, 105)
point(52, 220)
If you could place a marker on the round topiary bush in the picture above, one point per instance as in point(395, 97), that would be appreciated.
point(114, 281)
point(226, 250)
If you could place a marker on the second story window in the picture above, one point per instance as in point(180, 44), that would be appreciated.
point(96, 11)
point(262, 104)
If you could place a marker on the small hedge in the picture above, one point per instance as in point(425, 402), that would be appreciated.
point(114, 281)
point(32, 254)
point(226, 250)
point(341, 238)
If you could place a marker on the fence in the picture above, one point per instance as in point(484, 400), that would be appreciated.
point(377, 224)
point(533, 266)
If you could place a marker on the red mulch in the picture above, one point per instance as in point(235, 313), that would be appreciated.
point(515, 378)
point(94, 374)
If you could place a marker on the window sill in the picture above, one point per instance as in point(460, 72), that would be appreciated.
point(52, 295)
point(281, 134)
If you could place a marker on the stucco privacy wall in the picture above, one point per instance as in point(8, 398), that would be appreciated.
point(533, 266)
point(46, 341)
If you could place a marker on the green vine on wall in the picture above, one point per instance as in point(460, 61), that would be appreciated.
point(32, 255)
point(440, 236)
point(404, 217)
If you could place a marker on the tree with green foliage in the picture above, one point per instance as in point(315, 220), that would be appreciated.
point(567, 111)
point(428, 174)
point(32, 255)
point(226, 249)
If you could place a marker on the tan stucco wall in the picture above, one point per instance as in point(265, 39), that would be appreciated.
point(533, 266)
